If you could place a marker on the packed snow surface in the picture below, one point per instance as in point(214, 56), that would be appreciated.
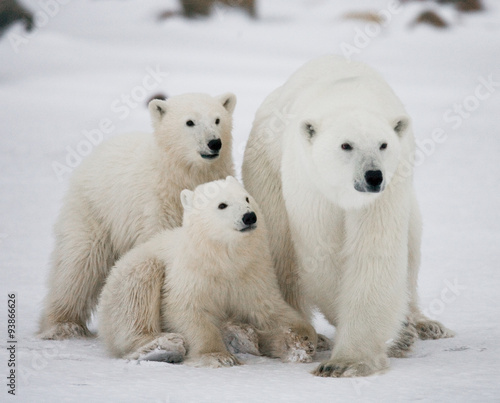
point(85, 74)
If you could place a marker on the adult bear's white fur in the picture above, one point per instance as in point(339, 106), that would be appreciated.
point(340, 239)
point(127, 191)
point(186, 283)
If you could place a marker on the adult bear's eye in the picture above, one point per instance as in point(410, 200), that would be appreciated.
point(222, 206)
point(383, 146)
point(346, 147)
point(247, 200)
point(189, 123)
point(217, 121)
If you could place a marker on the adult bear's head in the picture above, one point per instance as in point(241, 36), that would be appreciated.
point(352, 154)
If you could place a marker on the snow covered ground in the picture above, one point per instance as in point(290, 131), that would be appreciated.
point(84, 75)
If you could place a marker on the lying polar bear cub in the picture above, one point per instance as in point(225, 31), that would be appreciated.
point(174, 293)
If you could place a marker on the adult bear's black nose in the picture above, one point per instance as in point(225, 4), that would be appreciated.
point(215, 145)
point(249, 218)
point(374, 178)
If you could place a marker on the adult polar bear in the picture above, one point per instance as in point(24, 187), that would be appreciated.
point(328, 162)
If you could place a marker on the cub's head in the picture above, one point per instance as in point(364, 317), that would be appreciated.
point(221, 210)
point(195, 127)
point(353, 155)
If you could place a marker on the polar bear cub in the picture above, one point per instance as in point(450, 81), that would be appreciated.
point(127, 191)
point(175, 292)
point(329, 160)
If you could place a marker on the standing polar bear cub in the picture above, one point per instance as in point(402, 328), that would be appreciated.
point(127, 191)
point(329, 161)
point(176, 291)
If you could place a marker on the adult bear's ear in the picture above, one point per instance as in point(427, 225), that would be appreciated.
point(309, 129)
point(157, 110)
point(228, 101)
point(401, 124)
point(187, 197)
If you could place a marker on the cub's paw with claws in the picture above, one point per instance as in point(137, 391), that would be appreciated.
point(324, 343)
point(214, 360)
point(300, 344)
point(65, 330)
point(241, 338)
point(168, 347)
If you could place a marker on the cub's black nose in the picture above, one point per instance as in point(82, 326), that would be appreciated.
point(215, 145)
point(249, 218)
point(374, 178)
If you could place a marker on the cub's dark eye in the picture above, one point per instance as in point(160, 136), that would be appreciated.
point(383, 146)
point(222, 206)
point(248, 201)
point(346, 147)
point(189, 123)
point(217, 121)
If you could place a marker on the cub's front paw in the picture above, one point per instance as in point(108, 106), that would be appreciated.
point(213, 360)
point(337, 368)
point(168, 347)
point(65, 330)
point(432, 329)
point(241, 338)
point(300, 344)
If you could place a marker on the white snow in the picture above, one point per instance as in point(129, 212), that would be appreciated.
point(72, 77)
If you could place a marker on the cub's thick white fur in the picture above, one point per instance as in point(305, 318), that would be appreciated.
point(329, 162)
point(127, 191)
point(187, 283)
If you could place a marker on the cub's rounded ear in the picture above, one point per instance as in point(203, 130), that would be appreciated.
point(400, 124)
point(157, 110)
point(228, 101)
point(187, 197)
point(309, 129)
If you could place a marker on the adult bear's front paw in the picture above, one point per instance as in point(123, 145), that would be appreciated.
point(432, 329)
point(337, 368)
point(401, 346)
